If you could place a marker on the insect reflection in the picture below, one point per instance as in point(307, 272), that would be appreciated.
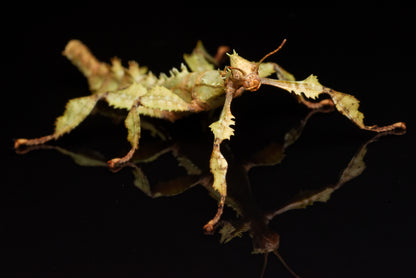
point(250, 218)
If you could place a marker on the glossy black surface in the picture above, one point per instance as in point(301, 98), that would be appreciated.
point(61, 219)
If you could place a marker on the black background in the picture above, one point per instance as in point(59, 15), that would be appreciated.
point(63, 220)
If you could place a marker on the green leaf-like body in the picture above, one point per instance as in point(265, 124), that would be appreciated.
point(161, 98)
point(125, 98)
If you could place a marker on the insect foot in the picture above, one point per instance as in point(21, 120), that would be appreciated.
point(118, 161)
point(113, 163)
point(209, 228)
point(19, 143)
point(23, 142)
point(21, 146)
point(401, 126)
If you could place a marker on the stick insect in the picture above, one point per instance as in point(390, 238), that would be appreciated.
point(196, 88)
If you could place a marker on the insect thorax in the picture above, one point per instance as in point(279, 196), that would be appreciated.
point(204, 87)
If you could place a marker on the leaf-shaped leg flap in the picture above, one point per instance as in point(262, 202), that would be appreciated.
point(346, 104)
point(132, 124)
point(267, 69)
point(218, 164)
point(76, 111)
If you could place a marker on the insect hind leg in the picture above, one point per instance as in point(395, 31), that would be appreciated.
point(76, 111)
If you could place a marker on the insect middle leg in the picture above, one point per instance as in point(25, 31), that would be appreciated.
point(158, 102)
point(76, 111)
point(218, 164)
point(132, 124)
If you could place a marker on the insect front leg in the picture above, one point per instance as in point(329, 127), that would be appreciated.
point(346, 104)
point(77, 110)
point(218, 164)
point(284, 75)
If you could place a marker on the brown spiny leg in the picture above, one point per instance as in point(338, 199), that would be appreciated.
point(346, 104)
point(218, 164)
point(77, 110)
point(32, 142)
point(132, 124)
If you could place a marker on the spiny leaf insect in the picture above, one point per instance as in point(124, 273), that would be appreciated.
point(196, 88)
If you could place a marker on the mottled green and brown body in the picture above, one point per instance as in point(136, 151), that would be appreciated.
point(198, 87)
point(188, 91)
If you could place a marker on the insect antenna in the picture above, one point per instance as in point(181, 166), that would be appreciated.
point(285, 264)
point(271, 53)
